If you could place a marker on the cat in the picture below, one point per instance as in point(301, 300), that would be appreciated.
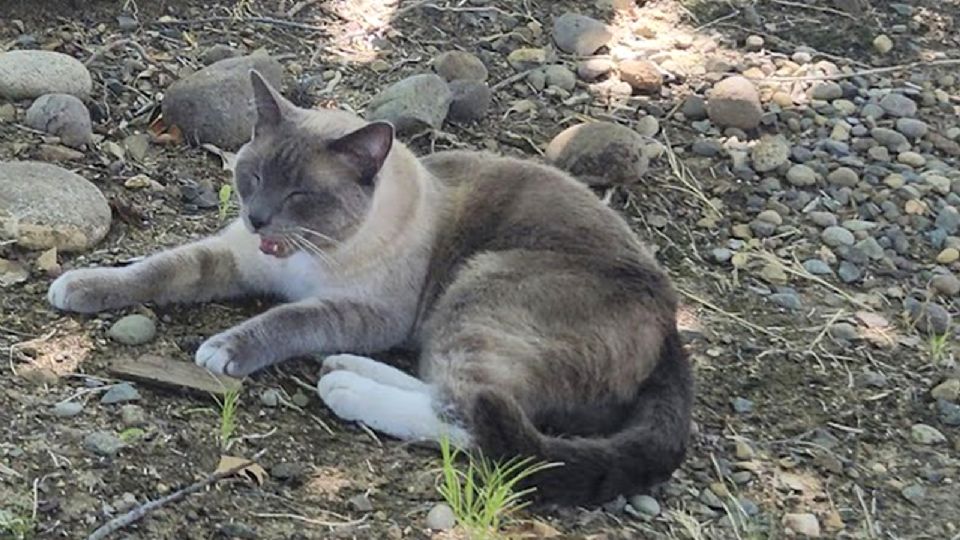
point(543, 326)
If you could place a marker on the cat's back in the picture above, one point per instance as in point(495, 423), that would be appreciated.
point(498, 203)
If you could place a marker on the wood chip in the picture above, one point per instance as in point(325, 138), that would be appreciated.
point(170, 373)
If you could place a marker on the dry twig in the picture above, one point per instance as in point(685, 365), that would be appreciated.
point(141, 511)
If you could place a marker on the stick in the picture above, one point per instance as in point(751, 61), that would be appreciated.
point(141, 511)
point(311, 521)
point(118, 43)
point(736, 318)
point(512, 79)
point(261, 20)
point(874, 71)
point(814, 8)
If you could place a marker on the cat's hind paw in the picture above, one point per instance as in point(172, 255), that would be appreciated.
point(347, 394)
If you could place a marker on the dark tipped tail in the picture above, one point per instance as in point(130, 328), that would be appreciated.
point(646, 451)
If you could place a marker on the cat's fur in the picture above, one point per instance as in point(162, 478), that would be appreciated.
point(544, 328)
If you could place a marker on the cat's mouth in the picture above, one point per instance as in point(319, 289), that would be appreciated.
point(276, 247)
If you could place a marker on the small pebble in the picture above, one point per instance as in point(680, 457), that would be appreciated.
point(120, 393)
point(133, 330)
point(646, 505)
point(270, 397)
point(441, 518)
point(67, 409)
point(103, 443)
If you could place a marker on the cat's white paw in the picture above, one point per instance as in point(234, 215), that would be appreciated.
point(346, 394)
point(215, 354)
point(86, 290)
point(373, 370)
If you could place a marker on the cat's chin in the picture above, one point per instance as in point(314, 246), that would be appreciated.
point(275, 248)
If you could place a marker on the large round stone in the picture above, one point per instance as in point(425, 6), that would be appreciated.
point(735, 102)
point(31, 74)
point(214, 104)
point(417, 102)
point(62, 115)
point(44, 206)
point(599, 153)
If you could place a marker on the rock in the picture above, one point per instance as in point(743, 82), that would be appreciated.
point(801, 175)
point(133, 329)
point(735, 102)
point(787, 301)
point(827, 91)
point(287, 471)
point(948, 219)
point(817, 267)
point(599, 153)
point(218, 52)
point(770, 153)
point(361, 503)
point(67, 409)
point(31, 74)
point(849, 272)
point(103, 443)
point(270, 397)
point(911, 127)
point(948, 256)
point(44, 206)
point(560, 76)
point(647, 126)
point(47, 262)
point(754, 43)
point(12, 272)
point(893, 140)
point(460, 65)
point(646, 505)
point(62, 115)
point(802, 524)
point(441, 518)
point(56, 152)
point(133, 416)
point(469, 100)
point(213, 105)
point(741, 405)
point(882, 44)
point(721, 255)
point(949, 413)
point(579, 34)
point(694, 107)
point(837, 236)
point(843, 177)
point(413, 103)
point(898, 105)
point(706, 147)
point(948, 390)
point(842, 331)
point(121, 393)
point(926, 435)
point(642, 75)
point(912, 159)
point(928, 317)
point(594, 68)
point(945, 284)
point(528, 58)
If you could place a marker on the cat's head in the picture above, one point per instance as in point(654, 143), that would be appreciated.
point(306, 179)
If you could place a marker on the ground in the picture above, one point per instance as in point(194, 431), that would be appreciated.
point(791, 417)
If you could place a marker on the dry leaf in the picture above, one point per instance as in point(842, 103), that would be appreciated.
point(253, 472)
point(872, 320)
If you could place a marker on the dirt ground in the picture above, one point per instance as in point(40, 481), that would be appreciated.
point(816, 438)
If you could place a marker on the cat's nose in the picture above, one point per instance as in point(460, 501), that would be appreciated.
point(258, 222)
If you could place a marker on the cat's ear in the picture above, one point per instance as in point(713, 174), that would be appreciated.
point(267, 101)
point(366, 149)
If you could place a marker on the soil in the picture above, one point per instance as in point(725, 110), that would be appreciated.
point(821, 441)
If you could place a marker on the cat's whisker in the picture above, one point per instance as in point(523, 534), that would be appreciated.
point(319, 235)
point(311, 248)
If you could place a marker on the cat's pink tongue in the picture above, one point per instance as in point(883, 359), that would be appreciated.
point(271, 247)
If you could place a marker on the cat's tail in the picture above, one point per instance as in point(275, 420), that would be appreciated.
point(646, 451)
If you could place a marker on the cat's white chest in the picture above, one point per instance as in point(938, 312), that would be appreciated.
point(298, 276)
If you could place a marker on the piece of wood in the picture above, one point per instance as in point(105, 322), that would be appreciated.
point(171, 373)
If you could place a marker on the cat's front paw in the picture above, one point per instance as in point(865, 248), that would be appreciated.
point(228, 354)
point(88, 290)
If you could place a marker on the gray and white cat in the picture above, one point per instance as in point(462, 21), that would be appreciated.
point(543, 327)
